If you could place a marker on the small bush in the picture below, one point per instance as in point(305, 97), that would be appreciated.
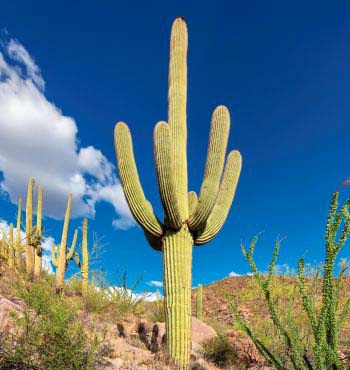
point(219, 351)
point(48, 335)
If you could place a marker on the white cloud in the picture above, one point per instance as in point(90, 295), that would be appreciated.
point(233, 274)
point(155, 283)
point(38, 140)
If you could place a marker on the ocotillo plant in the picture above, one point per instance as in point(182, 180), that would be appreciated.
point(29, 229)
point(200, 302)
point(19, 248)
point(325, 322)
point(84, 263)
point(60, 257)
point(38, 234)
point(188, 221)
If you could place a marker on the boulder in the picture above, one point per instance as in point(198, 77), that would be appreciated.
point(7, 308)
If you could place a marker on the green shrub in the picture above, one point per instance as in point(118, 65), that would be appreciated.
point(319, 303)
point(219, 351)
point(49, 335)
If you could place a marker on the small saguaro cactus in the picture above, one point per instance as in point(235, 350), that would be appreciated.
point(84, 263)
point(19, 248)
point(38, 235)
point(11, 248)
point(199, 302)
point(29, 229)
point(60, 257)
point(188, 220)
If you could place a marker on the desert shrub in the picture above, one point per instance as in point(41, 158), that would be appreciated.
point(94, 301)
point(155, 310)
point(308, 325)
point(48, 335)
point(121, 296)
point(219, 351)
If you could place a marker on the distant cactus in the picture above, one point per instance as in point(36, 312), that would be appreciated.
point(84, 263)
point(200, 302)
point(11, 248)
point(60, 257)
point(19, 248)
point(188, 221)
point(38, 235)
point(29, 230)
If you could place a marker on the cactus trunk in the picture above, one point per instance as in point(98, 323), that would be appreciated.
point(18, 235)
point(29, 230)
point(61, 267)
point(38, 235)
point(177, 266)
point(85, 262)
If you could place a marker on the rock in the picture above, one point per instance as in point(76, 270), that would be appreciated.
point(114, 364)
point(7, 307)
point(200, 332)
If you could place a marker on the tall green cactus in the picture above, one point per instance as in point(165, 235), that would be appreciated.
point(29, 230)
point(19, 248)
point(200, 302)
point(38, 235)
point(188, 221)
point(60, 257)
point(84, 263)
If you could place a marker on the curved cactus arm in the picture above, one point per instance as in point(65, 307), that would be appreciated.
point(219, 131)
point(72, 248)
point(164, 165)
point(223, 203)
point(177, 101)
point(154, 242)
point(192, 201)
point(139, 205)
point(54, 255)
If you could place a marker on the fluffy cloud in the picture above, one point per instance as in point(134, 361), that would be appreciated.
point(233, 274)
point(38, 140)
point(155, 283)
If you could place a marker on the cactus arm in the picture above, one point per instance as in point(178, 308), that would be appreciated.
point(224, 200)
point(154, 242)
point(72, 248)
point(54, 257)
point(29, 226)
point(38, 234)
point(139, 205)
point(18, 234)
point(192, 201)
point(177, 101)
point(165, 175)
point(219, 131)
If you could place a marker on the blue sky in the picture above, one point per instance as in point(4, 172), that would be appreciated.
point(282, 68)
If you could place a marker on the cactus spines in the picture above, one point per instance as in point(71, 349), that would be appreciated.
point(29, 229)
point(199, 302)
point(38, 235)
point(188, 220)
point(84, 264)
point(61, 261)
point(19, 249)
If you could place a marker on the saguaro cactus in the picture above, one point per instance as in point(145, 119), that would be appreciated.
point(38, 235)
point(19, 248)
point(29, 229)
point(199, 302)
point(60, 257)
point(188, 221)
point(84, 263)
